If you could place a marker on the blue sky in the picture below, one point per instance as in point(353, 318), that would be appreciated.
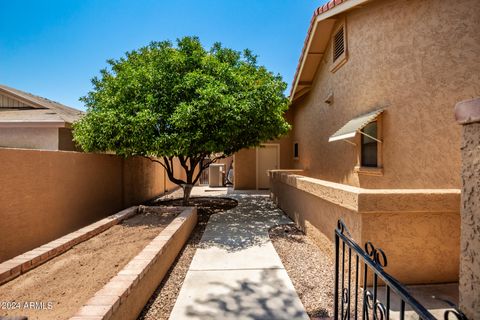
point(54, 47)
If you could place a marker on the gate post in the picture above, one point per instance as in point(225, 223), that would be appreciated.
point(467, 113)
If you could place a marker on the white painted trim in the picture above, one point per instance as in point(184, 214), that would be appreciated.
point(340, 8)
point(304, 58)
point(343, 136)
point(323, 16)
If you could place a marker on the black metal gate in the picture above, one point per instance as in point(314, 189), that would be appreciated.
point(353, 296)
point(204, 175)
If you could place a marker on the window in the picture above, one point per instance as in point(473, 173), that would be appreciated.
point(369, 146)
point(339, 47)
point(295, 150)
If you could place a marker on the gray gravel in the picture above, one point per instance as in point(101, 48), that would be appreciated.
point(310, 266)
point(163, 299)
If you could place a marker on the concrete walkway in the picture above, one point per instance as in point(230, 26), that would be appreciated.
point(236, 272)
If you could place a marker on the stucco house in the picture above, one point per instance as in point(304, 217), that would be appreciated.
point(373, 139)
point(32, 122)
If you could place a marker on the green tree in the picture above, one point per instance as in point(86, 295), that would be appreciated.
point(164, 101)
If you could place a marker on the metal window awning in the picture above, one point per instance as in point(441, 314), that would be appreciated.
point(355, 125)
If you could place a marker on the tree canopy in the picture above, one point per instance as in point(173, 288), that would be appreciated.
point(182, 101)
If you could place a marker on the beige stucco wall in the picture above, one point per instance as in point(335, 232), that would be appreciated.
point(245, 168)
point(29, 138)
point(244, 161)
point(42, 138)
point(408, 224)
point(47, 194)
point(65, 140)
point(415, 58)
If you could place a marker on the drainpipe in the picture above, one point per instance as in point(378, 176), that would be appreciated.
point(467, 113)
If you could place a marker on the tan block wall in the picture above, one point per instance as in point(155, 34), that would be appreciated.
point(470, 248)
point(178, 172)
point(29, 138)
point(417, 59)
point(142, 180)
point(245, 169)
point(409, 225)
point(47, 194)
point(416, 244)
point(314, 215)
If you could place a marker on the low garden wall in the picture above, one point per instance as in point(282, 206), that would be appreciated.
point(419, 229)
point(47, 194)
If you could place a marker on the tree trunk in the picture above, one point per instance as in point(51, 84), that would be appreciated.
point(187, 190)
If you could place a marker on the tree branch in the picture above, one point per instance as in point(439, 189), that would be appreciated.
point(170, 171)
point(155, 160)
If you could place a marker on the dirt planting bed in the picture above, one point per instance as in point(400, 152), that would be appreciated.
point(162, 301)
point(310, 266)
point(58, 288)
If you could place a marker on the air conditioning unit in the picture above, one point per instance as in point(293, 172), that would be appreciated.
point(216, 172)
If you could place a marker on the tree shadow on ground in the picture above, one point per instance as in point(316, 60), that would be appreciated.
point(265, 298)
point(162, 300)
point(245, 226)
point(234, 228)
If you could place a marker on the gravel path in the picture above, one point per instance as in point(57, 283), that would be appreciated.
point(310, 266)
point(163, 299)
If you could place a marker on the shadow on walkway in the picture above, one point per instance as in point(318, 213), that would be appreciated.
point(258, 298)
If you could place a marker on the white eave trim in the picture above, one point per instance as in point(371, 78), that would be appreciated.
point(304, 58)
point(323, 16)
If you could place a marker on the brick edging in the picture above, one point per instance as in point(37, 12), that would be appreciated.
point(20, 264)
point(107, 301)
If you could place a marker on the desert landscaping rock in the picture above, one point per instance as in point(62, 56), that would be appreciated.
point(310, 267)
point(162, 301)
point(62, 285)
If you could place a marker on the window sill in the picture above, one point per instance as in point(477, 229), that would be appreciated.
point(371, 171)
point(296, 159)
point(338, 63)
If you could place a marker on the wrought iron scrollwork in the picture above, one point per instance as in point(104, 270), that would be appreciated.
point(354, 264)
point(377, 308)
point(343, 228)
point(454, 314)
point(376, 254)
point(346, 304)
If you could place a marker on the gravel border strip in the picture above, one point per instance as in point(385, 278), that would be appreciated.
point(161, 303)
point(310, 265)
point(106, 303)
point(20, 264)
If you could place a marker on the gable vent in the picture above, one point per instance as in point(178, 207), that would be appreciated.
point(338, 44)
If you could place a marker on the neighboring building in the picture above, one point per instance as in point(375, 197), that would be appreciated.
point(32, 122)
point(373, 131)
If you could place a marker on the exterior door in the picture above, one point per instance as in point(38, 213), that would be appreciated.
point(267, 159)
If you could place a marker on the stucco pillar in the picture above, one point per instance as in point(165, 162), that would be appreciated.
point(467, 114)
